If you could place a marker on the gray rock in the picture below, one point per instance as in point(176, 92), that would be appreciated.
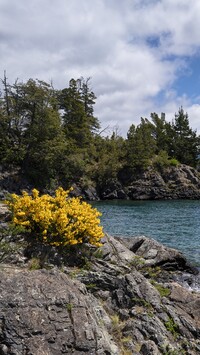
point(112, 307)
point(181, 182)
point(88, 193)
point(149, 347)
point(156, 254)
point(45, 312)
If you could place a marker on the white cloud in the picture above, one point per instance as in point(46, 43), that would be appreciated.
point(133, 50)
point(194, 114)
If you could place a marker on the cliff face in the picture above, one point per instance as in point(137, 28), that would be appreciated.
point(128, 298)
point(182, 182)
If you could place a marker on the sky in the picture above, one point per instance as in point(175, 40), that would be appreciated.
point(142, 56)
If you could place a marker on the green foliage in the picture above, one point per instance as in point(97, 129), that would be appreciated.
point(141, 145)
point(168, 350)
point(159, 128)
point(35, 264)
point(91, 286)
point(151, 271)
point(185, 145)
point(109, 159)
point(142, 302)
point(69, 307)
point(117, 326)
point(137, 262)
point(117, 332)
point(98, 253)
point(43, 136)
point(164, 291)
point(15, 230)
point(172, 327)
point(162, 161)
point(173, 162)
point(77, 104)
point(5, 249)
point(49, 144)
point(52, 136)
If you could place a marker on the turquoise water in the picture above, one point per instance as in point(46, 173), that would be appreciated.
point(174, 223)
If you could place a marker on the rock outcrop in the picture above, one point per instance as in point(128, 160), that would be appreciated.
point(182, 182)
point(127, 298)
point(47, 312)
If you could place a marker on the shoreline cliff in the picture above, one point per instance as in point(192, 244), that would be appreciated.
point(173, 182)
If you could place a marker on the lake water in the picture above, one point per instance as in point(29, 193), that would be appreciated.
point(174, 223)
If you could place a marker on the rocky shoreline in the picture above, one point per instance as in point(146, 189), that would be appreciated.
point(182, 182)
point(173, 182)
point(128, 297)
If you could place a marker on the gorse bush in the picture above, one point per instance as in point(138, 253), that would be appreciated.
point(58, 220)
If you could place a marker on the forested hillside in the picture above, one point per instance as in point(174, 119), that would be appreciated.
point(54, 138)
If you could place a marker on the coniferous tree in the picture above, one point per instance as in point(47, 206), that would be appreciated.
point(77, 104)
point(53, 136)
point(141, 145)
point(185, 142)
point(42, 135)
point(80, 126)
point(88, 97)
point(13, 123)
point(110, 158)
point(160, 132)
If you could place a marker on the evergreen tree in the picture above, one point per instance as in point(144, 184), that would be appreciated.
point(77, 104)
point(185, 142)
point(30, 129)
point(141, 145)
point(43, 135)
point(88, 97)
point(52, 136)
point(110, 155)
point(160, 132)
point(12, 124)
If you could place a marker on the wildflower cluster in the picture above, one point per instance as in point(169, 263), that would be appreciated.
point(58, 220)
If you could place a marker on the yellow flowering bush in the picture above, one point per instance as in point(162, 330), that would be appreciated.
point(58, 220)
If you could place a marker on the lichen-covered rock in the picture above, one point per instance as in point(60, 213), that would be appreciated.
point(155, 313)
point(125, 301)
point(45, 312)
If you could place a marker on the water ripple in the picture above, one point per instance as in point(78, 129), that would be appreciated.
point(174, 223)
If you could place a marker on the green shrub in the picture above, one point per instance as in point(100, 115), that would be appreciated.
point(164, 291)
point(174, 162)
point(172, 327)
point(162, 160)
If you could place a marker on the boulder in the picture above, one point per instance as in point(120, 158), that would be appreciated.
point(156, 254)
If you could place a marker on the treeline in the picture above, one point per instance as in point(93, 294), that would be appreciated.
point(55, 139)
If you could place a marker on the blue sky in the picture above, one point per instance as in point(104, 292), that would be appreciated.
point(142, 56)
point(188, 82)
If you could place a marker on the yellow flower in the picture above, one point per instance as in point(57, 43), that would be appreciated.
point(69, 220)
